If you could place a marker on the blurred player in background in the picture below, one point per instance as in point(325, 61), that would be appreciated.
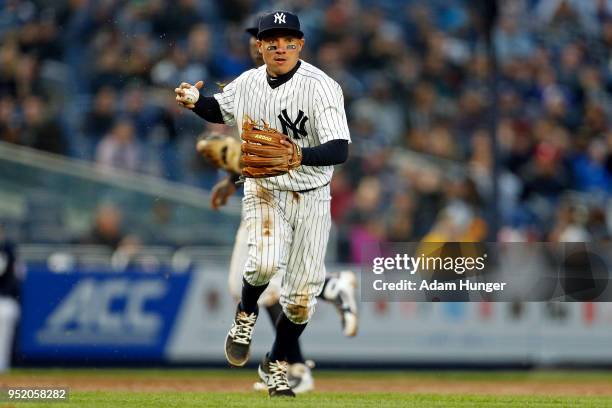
point(224, 151)
point(9, 295)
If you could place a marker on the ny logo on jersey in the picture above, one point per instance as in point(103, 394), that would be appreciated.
point(279, 18)
point(298, 126)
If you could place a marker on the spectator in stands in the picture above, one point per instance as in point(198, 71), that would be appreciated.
point(135, 107)
point(399, 220)
point(107, 227)
point(27, 77)
point(101, 117)
point(9, 123)
point(364, 226)
point(9, 61)
point(420, 67)
point(511, 40)
point(342, 192)
point(427, 184)
point(544, 175)
point(40, 130)
point(381, 109)
point(590, 169)
point(119, 149)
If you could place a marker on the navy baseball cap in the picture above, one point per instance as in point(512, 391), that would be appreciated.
point(279, 21)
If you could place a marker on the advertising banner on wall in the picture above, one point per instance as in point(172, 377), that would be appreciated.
point(183, 318)
point(408, 333)
point(99, 315)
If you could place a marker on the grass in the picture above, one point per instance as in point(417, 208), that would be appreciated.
point(250, 399)
point(331, 400)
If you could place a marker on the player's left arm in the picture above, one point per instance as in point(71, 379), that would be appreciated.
point(331, 126)
point(328, 154)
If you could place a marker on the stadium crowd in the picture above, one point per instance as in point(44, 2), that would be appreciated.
point(94, 80)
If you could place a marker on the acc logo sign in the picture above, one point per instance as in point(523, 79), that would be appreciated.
point(108, 311)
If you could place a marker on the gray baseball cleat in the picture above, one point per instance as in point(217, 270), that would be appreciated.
point(238, 340)
point(346, 303)
point(299, 376)
point(274, 375)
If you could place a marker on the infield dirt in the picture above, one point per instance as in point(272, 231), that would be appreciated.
point(236, 381)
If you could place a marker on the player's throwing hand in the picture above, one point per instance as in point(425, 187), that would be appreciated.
point(187, 95)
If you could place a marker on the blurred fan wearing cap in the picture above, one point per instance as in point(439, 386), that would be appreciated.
point(256, 56)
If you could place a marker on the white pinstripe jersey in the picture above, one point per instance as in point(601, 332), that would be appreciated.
point(309, 108)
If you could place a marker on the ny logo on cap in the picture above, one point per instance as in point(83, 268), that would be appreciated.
point(279, 18)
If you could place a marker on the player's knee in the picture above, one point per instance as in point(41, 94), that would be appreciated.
point(299, 312)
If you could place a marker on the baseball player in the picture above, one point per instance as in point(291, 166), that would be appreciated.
point(9, 294)
point(223, 152)
point(287, 196)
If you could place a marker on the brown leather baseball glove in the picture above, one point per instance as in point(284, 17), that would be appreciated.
point(263, 154)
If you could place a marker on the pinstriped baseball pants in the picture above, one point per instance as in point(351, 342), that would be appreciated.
point(287, 235)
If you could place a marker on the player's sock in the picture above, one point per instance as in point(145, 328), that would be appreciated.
point(329, 291)
point(287, 334)
point(274, 311)
point(250, 296)
point(294, 353)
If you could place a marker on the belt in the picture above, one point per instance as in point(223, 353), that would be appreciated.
point(311, 189)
